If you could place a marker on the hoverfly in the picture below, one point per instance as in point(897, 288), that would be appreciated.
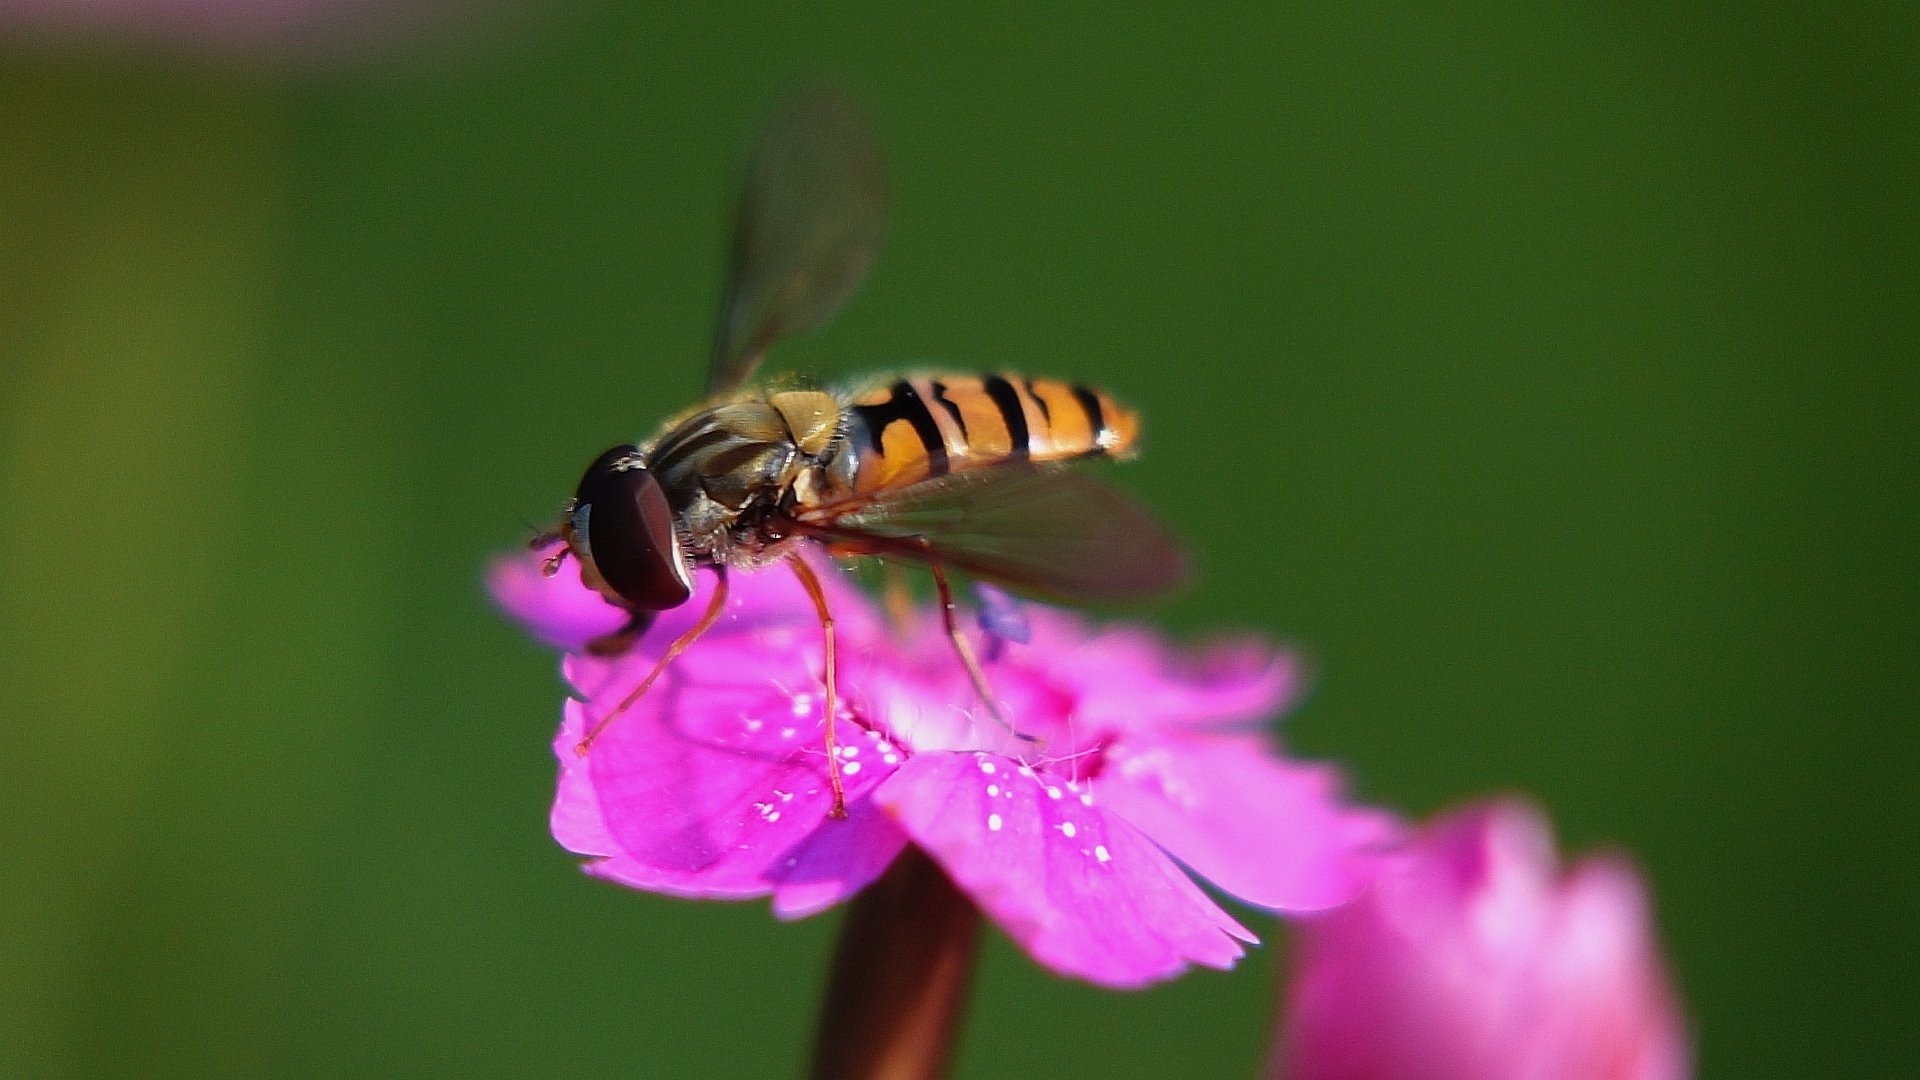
point(946, 471)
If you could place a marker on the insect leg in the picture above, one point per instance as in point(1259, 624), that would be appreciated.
point(622, 639)
point(711, 616)
point(964, 647)
point(811, 582)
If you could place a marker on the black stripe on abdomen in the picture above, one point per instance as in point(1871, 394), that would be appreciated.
point(1046, 411)
point(1012, 413)
point(1096, 417)
point(959, 419)
point(903, 403)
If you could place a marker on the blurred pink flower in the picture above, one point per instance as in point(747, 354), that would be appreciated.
point(715, 783)
point(218, 25)
point(1472, 958)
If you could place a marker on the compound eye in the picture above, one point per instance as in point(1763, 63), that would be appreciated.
point(622, 514)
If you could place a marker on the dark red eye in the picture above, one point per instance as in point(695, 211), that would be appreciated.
point(622, 515)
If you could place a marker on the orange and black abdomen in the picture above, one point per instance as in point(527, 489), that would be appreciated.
point(922, 426)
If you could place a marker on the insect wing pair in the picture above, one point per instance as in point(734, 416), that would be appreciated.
point(809, 225)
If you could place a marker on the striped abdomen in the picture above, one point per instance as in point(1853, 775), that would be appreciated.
point(923, 426)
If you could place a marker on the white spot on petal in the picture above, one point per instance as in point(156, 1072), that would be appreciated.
point(993, 789)
point(849, 751)
point(773, 817)
point(993, 822)
point(989, 768)
point(1053, 793)
point(1067, 829)
point(1086, 798)
point(850, 768)
point(1100, 852)
point(786, 733)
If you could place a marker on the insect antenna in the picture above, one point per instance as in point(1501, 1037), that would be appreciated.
point(546, 538)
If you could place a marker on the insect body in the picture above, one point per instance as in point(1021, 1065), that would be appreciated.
point(944, 470)
point(743, 477)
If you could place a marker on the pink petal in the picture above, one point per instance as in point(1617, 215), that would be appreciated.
point(1600, 955)
point(713, 781)
point(1081, 891)
point(576, 820)
point(838, 860)
point(1473, 958)
point(1269, 831)
point(1126, 677)
point(558, 610)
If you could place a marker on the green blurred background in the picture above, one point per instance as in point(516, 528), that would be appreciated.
point(1548, 376)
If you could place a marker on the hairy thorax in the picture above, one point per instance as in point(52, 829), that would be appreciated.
point(730, 470)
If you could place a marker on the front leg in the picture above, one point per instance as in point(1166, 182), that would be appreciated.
point(618, 642)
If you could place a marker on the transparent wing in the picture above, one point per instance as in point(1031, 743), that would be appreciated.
point(1044, 531)
point(810, 222)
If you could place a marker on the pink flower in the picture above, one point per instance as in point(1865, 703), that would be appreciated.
point(1128, 758)
point(219, 24)
point(1472, 958)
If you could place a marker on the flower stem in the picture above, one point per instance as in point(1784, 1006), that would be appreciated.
point(899, 984)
